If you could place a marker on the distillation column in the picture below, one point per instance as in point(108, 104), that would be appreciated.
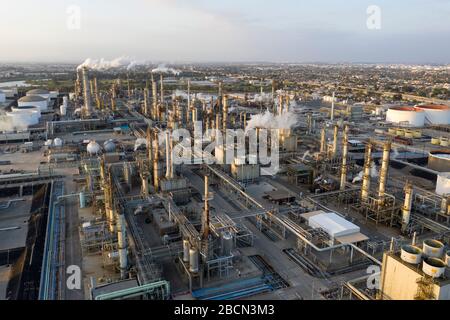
point(384, 171)
point(406, 209)
point(323, 141)
point(86, 92)
point(366, 177)
point(335, 141)
point(122, 243)
point(344, 159)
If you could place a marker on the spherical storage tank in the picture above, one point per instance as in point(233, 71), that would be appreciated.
point(109, 146)
point(435, 114)
point(33, 101)
point(409, 115)
point(93, 148)
point(39, 92)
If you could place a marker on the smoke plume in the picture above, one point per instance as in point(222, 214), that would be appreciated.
point(268, 120)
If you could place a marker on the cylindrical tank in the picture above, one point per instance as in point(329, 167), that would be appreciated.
point(82, 200)
point(447, 258)
point(439, 160)
point(392, 131)
point(63, 110)
point(433, 267)
point(23, 119)
point(400, 132)
point(57, 142)
point(436, 114)
point(443, 184)
point(411, 254)
point(444, 142)
point(186, 247)
point(405, 114)
point(435, 141)
point(417, 134)
point(433, 248)
point(227, 243)
point(193, 260)
point(409, 134)
point(35, 101)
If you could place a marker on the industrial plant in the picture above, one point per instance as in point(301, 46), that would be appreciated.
point(210, 182)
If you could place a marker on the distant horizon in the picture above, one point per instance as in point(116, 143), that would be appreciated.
point(213, 31)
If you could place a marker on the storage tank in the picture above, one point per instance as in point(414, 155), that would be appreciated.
point(109, 146)
point(439, 160)
point(447, 258)
point(443, 184)
point(39, 92)
point(93, 148)
point(435, 114)
point(2, 97)
point(27, 108)
point(411, 254)
point(63, 110)
point(405, 114)
point(435, 141)
point(186, 246)
point(57, 142)
point(33, 101)
point(227, 243)
point(433, 267)
point(23, 118)
point(193, 260)
point(433, 248)
point(444, 142)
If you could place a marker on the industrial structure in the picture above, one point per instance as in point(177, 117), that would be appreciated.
point(145, 214)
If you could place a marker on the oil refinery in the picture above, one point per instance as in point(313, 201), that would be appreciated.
point(97, 180)
point(224, 157)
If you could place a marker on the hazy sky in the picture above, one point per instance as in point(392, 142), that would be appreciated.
point(226, 30)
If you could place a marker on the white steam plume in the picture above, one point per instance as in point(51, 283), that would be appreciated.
point(117, 63)
point(163, 69)
point(268, 120)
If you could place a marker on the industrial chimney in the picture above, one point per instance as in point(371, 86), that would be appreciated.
point(205, 217)
point(156, 162)
point(87, 93)
point(406, 209)
point(366, 177)
point(344, 158)
point(384, 171)
point(323, 141)
point(335, 140)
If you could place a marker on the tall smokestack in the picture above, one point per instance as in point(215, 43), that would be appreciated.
point(332, 107)
point(335, 140)
point(205, 218)
point(220, 95)
point(155, 100)
point(167, 154)
point(146, 105)
point(156, 162)
point(384, 171)
point(280, 104)
point(149, 147)
point(366, 177)
point(122, 243)
point(87, 93)
point(96, 94)
point(225, 114)
point(323, 141)
point(344, 158)
point(189, 93)
point(273, 95)
point(406, 209)
point(162, 89)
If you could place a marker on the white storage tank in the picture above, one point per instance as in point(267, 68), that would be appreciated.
point(443, 184)
point(193, 260)
point(63, 110)
point(405, 114)
point(433, 267)
point(433, 248)
point(227, 243)
point(27, 108)
point(435, 114)
point(93, 148)
point(57, 142)
point(23, 118)
point(109, 146)
point(411, 254)
point(39, 92)
point(186, 247)
point(34, 101)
